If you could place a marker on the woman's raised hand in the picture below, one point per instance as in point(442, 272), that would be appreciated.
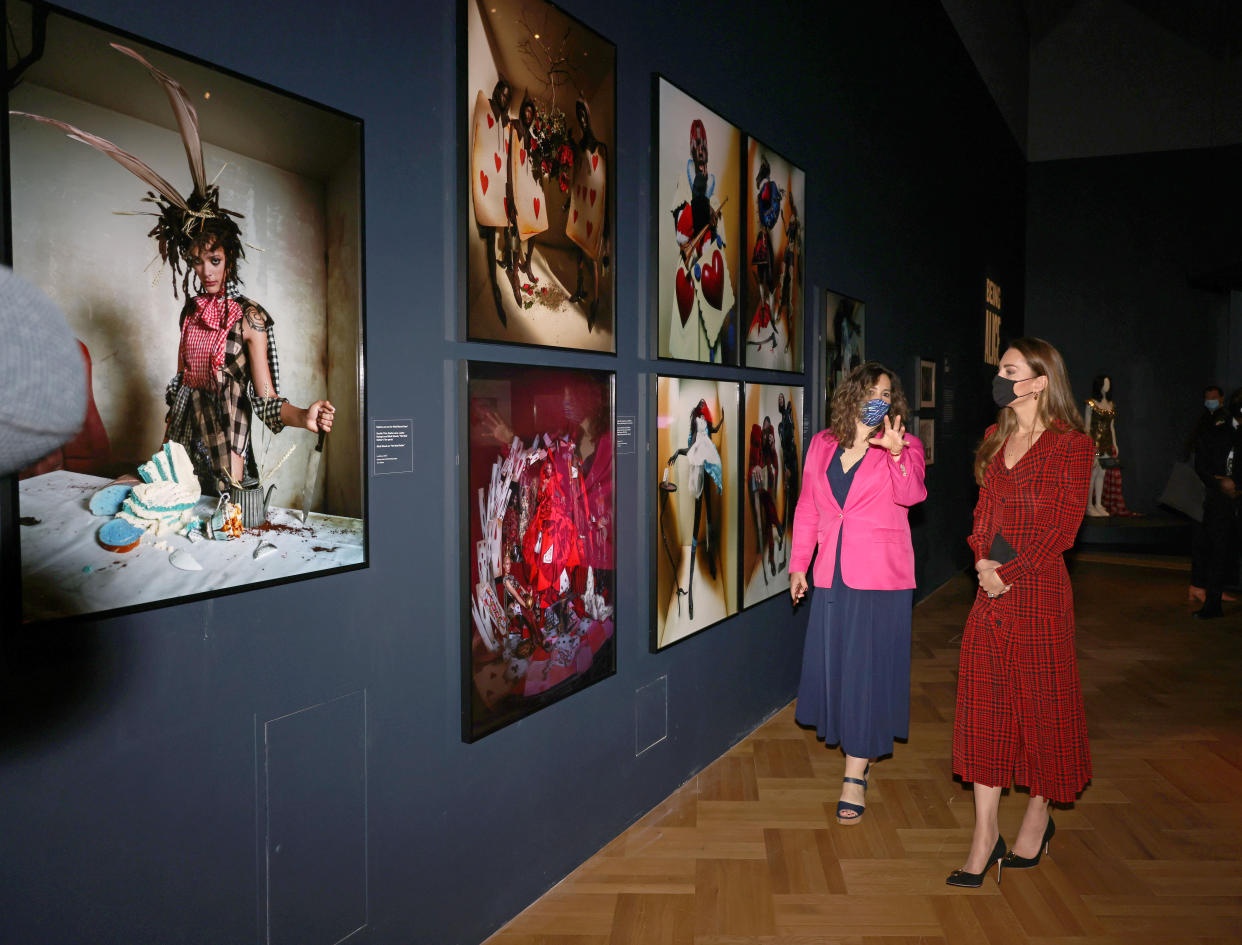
point(797, 585)
point(890, 435)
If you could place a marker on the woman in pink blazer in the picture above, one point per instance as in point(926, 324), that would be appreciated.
point(860, 478)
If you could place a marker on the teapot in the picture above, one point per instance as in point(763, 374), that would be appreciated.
point(252, 500)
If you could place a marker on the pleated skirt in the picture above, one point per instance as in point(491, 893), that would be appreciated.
point(855, 686)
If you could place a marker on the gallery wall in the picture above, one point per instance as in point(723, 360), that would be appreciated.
point(1122, 259)
point(285, 765)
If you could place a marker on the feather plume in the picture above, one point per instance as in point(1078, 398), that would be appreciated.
point(187, 117)
point(135, 166)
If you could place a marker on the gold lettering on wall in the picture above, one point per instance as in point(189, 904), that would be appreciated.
point(991, 322)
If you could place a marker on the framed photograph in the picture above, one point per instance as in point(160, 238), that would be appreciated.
point(538, 123)
point(698, 159)
point(927, 433)
point(772, 304)
point(772, 420)
point(540, 557)
point(696, 495)
point(926, 380)
point(224, 444)
point(845, 329)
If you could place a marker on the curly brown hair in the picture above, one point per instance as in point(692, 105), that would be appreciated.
point(855, 390)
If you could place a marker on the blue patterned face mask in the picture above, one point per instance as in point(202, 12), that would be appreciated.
point(873, 412)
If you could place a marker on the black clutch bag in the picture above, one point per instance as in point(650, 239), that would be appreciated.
point(1109, 462)
point(1001, 552)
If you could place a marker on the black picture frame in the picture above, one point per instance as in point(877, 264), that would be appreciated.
point(771, 324)
point(74, 76)
point(667, 432)
point(683, 306)
point(766, 501)
point(533, 653)
point(510, 39)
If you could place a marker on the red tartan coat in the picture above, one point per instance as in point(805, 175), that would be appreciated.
point(1019, 713)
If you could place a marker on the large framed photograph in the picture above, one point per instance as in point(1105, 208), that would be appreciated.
point(538, 107)
point(540, 559)
point(844, 348)
point(698, 157)
point(695, 563)
point(772, 420)
point(772, 305)
point(220, 317)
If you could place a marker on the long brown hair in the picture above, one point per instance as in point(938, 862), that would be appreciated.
point(1055, 404)
point(847, 402)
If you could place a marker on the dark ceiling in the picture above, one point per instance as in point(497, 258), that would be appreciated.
point(1215, 26)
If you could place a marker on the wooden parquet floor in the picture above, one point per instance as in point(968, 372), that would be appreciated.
point(749, 850)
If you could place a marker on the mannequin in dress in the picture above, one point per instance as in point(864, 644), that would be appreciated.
point(1101, 417)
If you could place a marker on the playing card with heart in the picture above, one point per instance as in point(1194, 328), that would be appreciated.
point(587, 200)
point(487, 175)
point(529, 202)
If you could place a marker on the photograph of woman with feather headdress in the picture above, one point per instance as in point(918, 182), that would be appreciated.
point(157, 257)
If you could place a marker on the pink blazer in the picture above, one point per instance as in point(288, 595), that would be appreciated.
point(877, 554)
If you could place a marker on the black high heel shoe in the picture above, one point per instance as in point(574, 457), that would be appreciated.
point(975, 880)
point(1015, 862)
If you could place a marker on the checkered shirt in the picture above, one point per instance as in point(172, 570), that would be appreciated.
point(213, 421)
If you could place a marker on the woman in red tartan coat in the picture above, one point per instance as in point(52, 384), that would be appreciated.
point(1019, 713)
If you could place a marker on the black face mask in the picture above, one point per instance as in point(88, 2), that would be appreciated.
point(1002, 389)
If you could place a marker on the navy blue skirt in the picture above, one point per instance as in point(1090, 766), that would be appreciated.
point(855, 686)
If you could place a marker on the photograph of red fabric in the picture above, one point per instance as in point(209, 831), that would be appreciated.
point(540, 608)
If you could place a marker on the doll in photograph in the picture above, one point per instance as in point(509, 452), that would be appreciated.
point(587, 220)
point(761, 478)
point(1106, 496)
point(705, 467)
point(791, 271)
point(488, 179)
point(789, 455)
point(762, 258)
point(226, 367)
point(703, 290)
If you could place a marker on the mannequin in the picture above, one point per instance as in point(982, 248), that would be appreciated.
point(1107, 493)
point(1101, 417)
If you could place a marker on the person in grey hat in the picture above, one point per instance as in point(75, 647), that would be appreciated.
point(42, 375)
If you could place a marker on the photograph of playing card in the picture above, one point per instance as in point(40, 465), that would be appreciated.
point(698, 163)
point(539, 106)
point(772, 304)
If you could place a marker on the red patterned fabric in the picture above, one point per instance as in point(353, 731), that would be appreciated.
point(1114, 500)
point(203, 338)
point(1019, 714)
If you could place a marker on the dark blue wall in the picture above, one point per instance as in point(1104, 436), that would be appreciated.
point(1119, 251)
point(130, 748)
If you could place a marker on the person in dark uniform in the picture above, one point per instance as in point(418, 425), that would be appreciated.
point(1213, 413)
point(1218, 457)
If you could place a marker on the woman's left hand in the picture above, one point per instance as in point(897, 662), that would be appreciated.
point(891, 436)
point(319, 416)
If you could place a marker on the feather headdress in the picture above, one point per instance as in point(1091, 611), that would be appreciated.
point(180, 221)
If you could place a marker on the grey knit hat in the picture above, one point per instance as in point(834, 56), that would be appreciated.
point(42, 375)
